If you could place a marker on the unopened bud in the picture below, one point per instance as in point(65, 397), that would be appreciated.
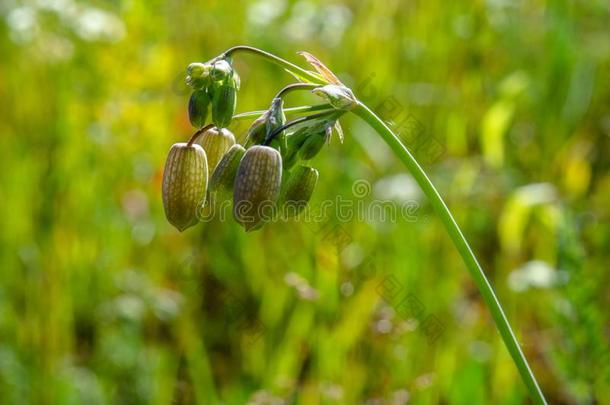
point(297, 191)
point(223, 178)
point(198, 108)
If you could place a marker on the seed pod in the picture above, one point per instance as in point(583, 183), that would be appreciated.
point(198, 108)
point(216, 142)
point(185, 181)
point(257, 187)
point(314, 143)
point(224, 102)
point(297, 191)
point(223, 178)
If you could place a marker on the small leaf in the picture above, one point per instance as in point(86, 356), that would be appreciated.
point(339, 130)
point(302, 78)
point(325, 72)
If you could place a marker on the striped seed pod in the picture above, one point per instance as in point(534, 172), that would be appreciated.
point(257, 187)
point(223, 178)
point(224, 102)
point(185, 181)
point(216, 142)
point(198, 107)
point(297, 191)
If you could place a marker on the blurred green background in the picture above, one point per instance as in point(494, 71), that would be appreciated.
point(102, 301)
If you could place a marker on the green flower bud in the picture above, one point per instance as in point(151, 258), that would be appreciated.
point(224, 102)
point(297, 191)
point(197, 69)
point(185, 181)
point(221, 70)
point(223, 178)
point(339, 96)
point(258, 130)
point(290, 158)
point(275, 120)
point(216, 142)
point(257, 186)
point(314, 143)
point(198, 75)
point(198, 108)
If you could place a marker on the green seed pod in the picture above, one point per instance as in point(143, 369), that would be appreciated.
point(224, 102)
point(185, 180)
point(314, 143)
point(198, 108)
point(223, 178)
point(216, 142)
point(297, 191)
point(257, 187)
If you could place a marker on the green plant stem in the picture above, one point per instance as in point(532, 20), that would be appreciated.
point(298, 121)
point(197, 133)
point(462, 246)
point(295, 86)
point(441, 208)
point(291, 67)
point(301, 109)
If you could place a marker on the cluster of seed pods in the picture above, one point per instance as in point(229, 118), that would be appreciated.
point(262, 177)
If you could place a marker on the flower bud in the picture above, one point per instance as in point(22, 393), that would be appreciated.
point(291, 157)
point(197, 69)
point(257, 186)
point(223, 178)
point(216, 142)
point(277, 119)
point(198, 108)
point(297, 191)
point(224, 102)
point(198, 75)
point(185, 181)
point(221, 70)
point(339, 96)
point(258, 130)
point(314, 143)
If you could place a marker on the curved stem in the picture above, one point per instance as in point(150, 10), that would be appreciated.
point(197, 133)
point(292, 123)
point(301, 109)
point(277, 60)
point(295, 86)
point(462, 246)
